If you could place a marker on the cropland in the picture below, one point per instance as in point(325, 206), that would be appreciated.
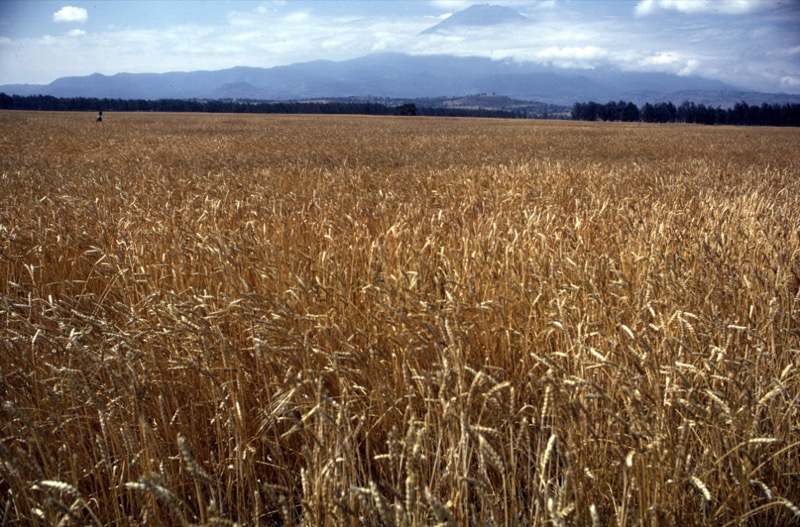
point(397, 321)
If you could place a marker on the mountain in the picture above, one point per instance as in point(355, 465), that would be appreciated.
point(404, 76)
point(478, 16)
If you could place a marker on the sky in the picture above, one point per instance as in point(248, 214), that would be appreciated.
point(751, 44)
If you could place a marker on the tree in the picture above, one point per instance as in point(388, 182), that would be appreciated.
point(406, 109)
point(630, 114)
point(648, 113)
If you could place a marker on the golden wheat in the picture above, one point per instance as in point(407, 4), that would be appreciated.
point(339, 320)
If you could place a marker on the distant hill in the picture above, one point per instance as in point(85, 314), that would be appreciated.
point(405, 76)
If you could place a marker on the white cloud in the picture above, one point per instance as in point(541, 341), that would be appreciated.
point(241, 19)
point(660, 59)
point(297, 16)
point(573, 53)
point(790, 84)
point(727, 7)
point(645, 7)
point(454, 5)
point(272, 5)
point(676, 62)
point(71, 14)
point(76, 33)
point(691, 68)
point(262, 16)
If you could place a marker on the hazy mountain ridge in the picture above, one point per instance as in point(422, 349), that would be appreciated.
point(397, 75)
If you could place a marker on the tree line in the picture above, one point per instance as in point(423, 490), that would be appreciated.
point(92, 104)
point(689, 112)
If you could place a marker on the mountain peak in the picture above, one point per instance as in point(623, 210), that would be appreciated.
point(478, 15)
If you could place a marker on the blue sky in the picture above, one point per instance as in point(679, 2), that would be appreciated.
point(754, 44)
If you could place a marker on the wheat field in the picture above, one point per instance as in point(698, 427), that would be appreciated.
point(342, 320)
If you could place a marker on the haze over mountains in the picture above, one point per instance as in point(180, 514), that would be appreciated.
point(399, 76)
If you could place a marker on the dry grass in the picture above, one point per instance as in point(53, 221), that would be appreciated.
point(397, 321)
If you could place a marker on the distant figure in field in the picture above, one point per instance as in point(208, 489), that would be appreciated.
point(99, 117)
